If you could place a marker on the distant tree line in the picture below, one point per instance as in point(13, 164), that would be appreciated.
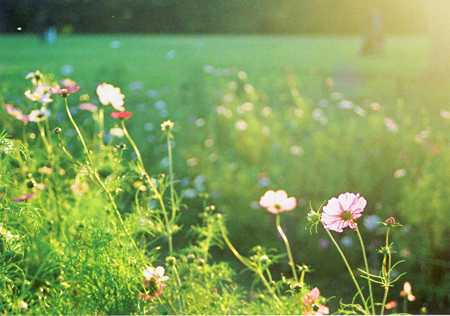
point(210, 16)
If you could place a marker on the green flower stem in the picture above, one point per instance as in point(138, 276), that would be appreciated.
point(367, 269)
point(349, 270)
point(108, 193)
point(172, 199)
point(246, 262)
point(152, 185)
point(288, 248)
point(386, 272)
point(86, 150)
point(136, 150)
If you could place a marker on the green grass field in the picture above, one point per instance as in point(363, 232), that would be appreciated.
point(280, 126)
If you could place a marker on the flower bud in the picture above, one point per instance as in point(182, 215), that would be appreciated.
point(57, 130)
point(200, 262)
point(297, 288)
point(190, 258)
point(314, 217)
point(264, 259)
point(123, 146)
point(171, 261)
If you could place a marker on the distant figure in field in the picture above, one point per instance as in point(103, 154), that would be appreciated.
point(372, 32)
point(45, 28)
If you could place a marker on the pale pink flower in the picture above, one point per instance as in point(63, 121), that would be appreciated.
point(68, 83)
point(64, 92)
point(342, 211)
point(277, 202)
point(16, 113)
point(313, 307)
point(153, 282)
point(41, 94)
point(79, 187)
point(311, 297)
point(87, 107)
point(108, 94)
point(39, 115)
point(36, 77)
point(24, 197)
point(407, 292)
point(390, 125)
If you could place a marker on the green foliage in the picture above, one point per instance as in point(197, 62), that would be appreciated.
point(236, 135)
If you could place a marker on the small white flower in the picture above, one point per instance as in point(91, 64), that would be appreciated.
point(39, 115)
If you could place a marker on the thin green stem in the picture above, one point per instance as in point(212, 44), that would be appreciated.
point(349, 270)
point(108, 193)
point(288, 248)
point(152, 185)
point(172, 199)
point(386, 272)
point(86, 150)
point(367, 269)
point(136, 150)
point(246, 262)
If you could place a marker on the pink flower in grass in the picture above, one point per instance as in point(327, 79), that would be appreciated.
point(310, 300)
point(16, 113)
point(65, 91)
point(24, 197)
point(277, 202)
point(87, 107)
point(342, 211)
point(121, 115)
point(153, 282)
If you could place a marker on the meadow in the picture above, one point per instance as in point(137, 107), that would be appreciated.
point(303, 114)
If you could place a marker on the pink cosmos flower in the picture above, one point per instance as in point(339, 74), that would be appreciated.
point(153, 282)
point(16, 113)
point(41, 94)
point(65, 91)
point(121, 115)
point(277, 202)
point(79, 187)
point(108, 94)
point(88, 107)
point(310, 300)
point(69, 83)
point(342, 211)
point(39, 115)
point(24, 197)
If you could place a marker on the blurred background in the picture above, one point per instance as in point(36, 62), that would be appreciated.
point(316, 97)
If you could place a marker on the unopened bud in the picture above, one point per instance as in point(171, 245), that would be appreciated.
point(57, 130)
point(171, 261)
point(190, 258)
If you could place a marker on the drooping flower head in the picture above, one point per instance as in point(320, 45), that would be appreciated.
point(342, 211)
point(277, 202)
point(153, 282)
point(121, 115)
point(39, 115)
point(16, 113)
point(65, 91)
point(108, 94)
